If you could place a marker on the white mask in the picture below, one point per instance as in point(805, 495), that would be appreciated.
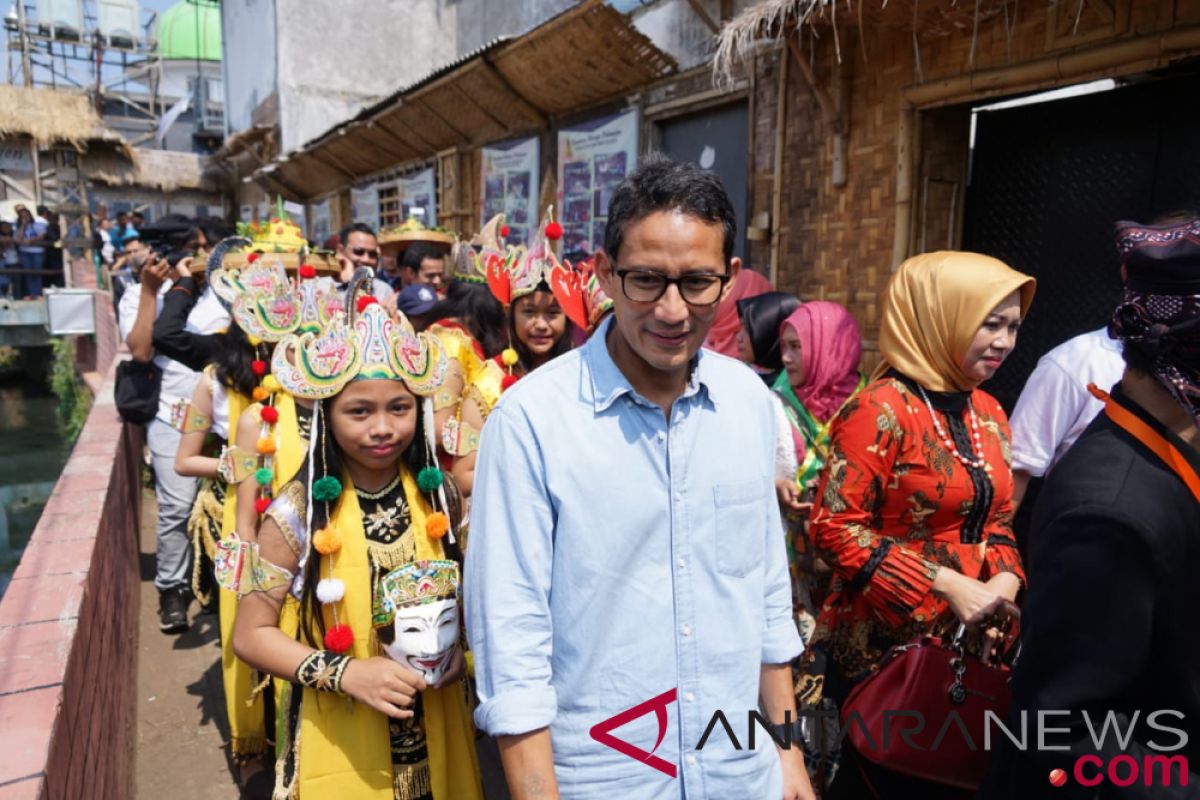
point(425, 638)
point(422, 599)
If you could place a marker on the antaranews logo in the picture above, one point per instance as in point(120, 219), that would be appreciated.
point(1164, 766)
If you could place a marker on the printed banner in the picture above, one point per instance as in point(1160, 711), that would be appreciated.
point(364, 204)
point(511, 186)
point(593, 159)
point(418, 197)
point(321, 222)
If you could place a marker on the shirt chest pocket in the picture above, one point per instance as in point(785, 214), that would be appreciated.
point(738, 526)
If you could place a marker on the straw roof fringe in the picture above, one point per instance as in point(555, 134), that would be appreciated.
point(52, 117)
point(164, 170)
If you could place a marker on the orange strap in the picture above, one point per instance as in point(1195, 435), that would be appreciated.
point(1154, 440)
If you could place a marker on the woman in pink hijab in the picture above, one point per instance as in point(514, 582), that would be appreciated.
point(821, 348)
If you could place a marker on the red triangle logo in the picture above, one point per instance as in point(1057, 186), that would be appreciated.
point(602, 731)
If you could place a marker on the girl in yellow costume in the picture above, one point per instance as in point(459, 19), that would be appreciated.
point(362, 515)
point(265, 433)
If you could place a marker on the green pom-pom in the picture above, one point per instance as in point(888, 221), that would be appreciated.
point(327, 489)
point(429, 479)
point(263, 476)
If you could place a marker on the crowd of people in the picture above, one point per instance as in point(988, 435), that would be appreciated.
point(32, 252)
point(442, 493)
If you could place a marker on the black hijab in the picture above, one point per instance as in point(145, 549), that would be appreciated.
point(761, 316)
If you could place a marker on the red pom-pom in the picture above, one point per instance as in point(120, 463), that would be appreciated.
point(504, 230)
point(339, 639)
point(507, 381)
point(308, 271)
point(258, 366)
point(269, 415)
point(250, 259)
point(554, 231)
point(261, 504)
point(365, 301)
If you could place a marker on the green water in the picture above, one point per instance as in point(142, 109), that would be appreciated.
point(32, 454)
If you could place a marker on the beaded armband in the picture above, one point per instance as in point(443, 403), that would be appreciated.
point(322, 670)
point(236, 464)
point(185, 418)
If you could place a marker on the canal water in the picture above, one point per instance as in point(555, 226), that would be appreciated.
point(32, 454)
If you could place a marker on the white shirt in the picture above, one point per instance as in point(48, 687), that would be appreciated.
point(1055, 407)
point(178, 382)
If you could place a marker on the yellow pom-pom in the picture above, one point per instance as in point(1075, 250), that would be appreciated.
point(436, 525)
point(265, 446)
point(259, 394)
point(509, 357)
point(253, 340)
point(270, 384)
point(327, 541)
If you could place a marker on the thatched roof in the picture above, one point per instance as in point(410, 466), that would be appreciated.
point(770, 20)
point(585, 56)
point(164, 170)
point(52, 117)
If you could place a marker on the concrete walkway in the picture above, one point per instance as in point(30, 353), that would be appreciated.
point(181, 728)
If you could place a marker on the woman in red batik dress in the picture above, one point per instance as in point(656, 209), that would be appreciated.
point(914, 511)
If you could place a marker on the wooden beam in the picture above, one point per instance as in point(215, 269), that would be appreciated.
point(828, 110)
point(542, 120)
point(429, 109)
point(465, 96)
point(332, 162)
point(704, 16)
point(425, 143)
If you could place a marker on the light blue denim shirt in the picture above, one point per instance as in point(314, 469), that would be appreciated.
point(614, 557)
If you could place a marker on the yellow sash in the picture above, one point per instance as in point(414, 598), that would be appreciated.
point(243, 705)
point(344, 747)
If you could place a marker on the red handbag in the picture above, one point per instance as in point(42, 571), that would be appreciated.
point(923, 713)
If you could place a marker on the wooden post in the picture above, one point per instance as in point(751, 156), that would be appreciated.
point(904, 185)
point(777, 182)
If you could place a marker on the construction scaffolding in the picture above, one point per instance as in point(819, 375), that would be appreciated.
point(106, 50)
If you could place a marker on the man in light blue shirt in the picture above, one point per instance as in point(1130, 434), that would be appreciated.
point(626, 551)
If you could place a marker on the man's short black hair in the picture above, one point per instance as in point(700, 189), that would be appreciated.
point(122, 214)
point(356, 227)
point(418, 252)
point(660, 184)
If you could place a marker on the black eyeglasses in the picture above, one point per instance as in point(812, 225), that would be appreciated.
point(647, 286)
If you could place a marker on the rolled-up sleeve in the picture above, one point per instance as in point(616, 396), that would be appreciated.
point(507, 579)
point(781, 640)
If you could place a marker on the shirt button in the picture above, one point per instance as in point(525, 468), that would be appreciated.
point(686, 630)
point(691, 760)
point(688, 697)
point(662, 436)
point(678, 497)
point(681, 562)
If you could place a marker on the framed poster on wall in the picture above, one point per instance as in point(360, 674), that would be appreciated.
point(593, 158)
point(510, 186)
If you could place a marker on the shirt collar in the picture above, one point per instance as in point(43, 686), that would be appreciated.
point(607, 382)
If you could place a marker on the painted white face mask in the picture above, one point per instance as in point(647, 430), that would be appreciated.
point(422, 599)
point(425, 638)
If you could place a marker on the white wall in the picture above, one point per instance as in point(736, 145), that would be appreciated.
point(248, 49)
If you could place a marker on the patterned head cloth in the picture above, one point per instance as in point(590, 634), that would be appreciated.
point(1160, 309)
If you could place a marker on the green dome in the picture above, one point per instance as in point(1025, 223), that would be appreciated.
point(190, 30)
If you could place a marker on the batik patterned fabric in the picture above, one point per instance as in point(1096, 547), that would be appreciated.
point(894, 505)
point(1170, 324)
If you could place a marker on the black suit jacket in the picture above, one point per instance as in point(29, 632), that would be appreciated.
point(1110, 623)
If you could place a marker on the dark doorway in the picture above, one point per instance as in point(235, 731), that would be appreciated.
point(718, 140)
point(1048, 182)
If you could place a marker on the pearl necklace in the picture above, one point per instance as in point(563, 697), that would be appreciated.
point(948, 442)
point(384, 492)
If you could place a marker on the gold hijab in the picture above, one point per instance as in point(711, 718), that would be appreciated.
point(935, 304)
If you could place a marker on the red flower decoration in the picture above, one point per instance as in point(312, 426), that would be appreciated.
point(507, 381)
point(250, 259)
point(308, 271)
point(269, 415)
point(261, 504)
point(339, 638)
point(258, 366)
point(504, 230)
point(365, 301)
point(554, 231)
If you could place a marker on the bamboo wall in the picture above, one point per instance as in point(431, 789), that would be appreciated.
point(838, 243)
